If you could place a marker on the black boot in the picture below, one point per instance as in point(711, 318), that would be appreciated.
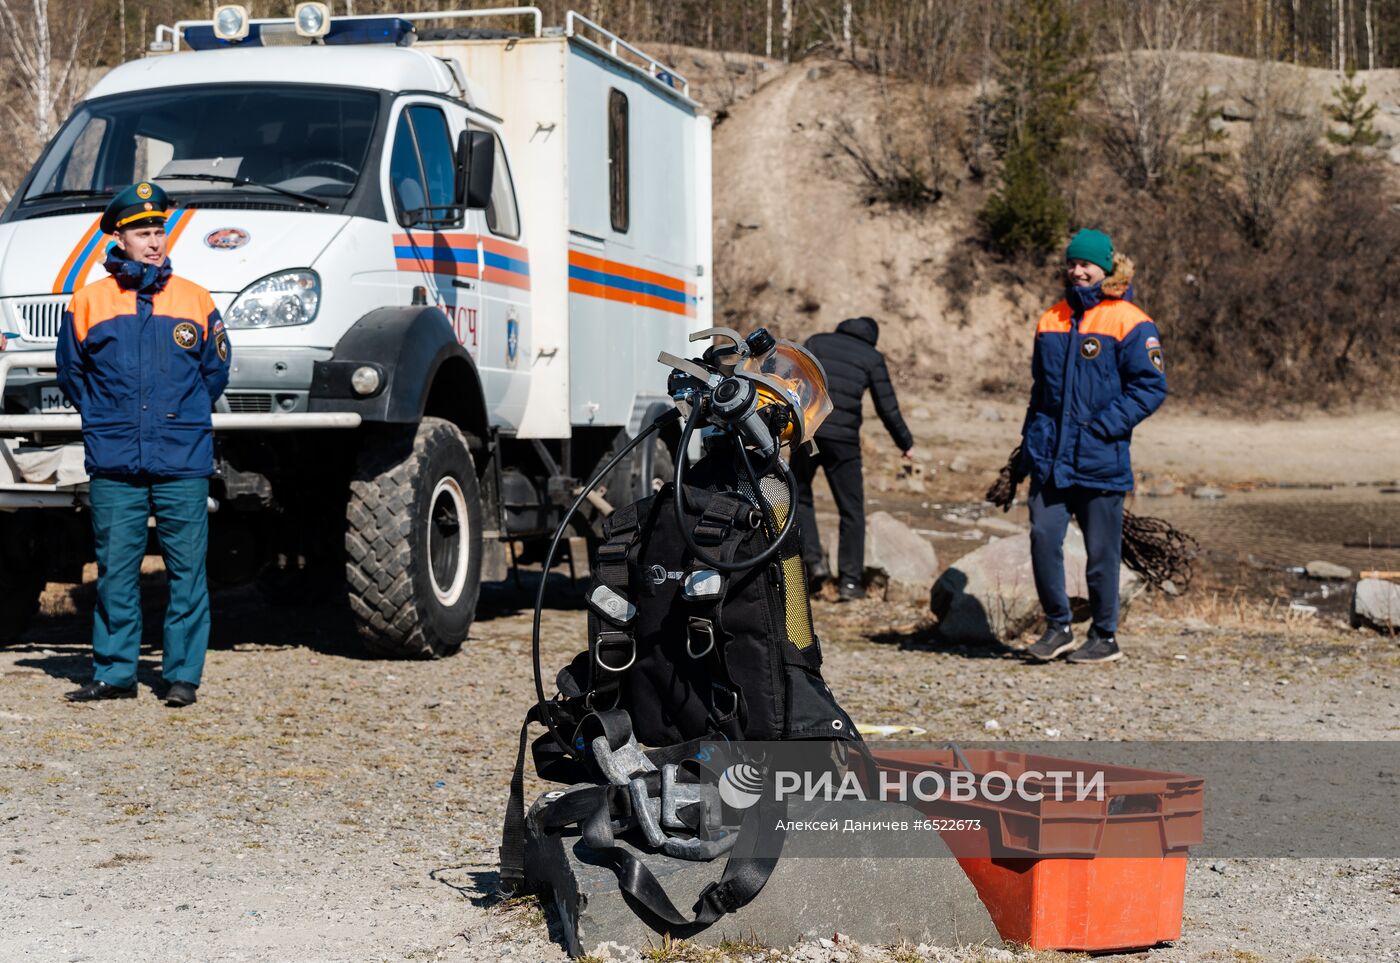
point(850, 590)
point(180, 694)
point(94, 691)
point(818, 574)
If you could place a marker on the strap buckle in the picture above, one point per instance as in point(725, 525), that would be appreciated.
point(718, 897)
point(613, 551)
point(703, 629)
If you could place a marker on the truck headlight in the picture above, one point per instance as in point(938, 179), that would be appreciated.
point(278, 300)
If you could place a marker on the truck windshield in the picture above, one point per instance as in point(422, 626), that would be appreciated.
point(297, 139)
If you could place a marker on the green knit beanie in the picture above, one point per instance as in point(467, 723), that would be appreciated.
point(1096, 247)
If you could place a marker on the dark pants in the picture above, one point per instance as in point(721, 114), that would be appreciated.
point(1100, 518)
point(841, 463)
point(120, 508)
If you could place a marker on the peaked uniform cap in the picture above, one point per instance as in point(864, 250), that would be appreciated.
point(138, 204)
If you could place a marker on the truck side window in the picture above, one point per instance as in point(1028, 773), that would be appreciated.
point(435, 150)
point(502, 217)
point(617, 161)
point(405, 173)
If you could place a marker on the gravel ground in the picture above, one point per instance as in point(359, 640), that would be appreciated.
point(319, 806)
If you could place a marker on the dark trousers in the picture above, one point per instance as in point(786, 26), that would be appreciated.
point(119, 512)
point(1100, 518)
point(841, 463)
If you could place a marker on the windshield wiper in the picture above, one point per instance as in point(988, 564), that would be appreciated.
point(105, 192)
point(244, 182)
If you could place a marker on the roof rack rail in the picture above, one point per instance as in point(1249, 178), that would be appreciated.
point(613, 43)
point(177, 32)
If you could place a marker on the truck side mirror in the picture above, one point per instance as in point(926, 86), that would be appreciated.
point(476, 167)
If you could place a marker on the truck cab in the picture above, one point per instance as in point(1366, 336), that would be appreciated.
point(446, 257)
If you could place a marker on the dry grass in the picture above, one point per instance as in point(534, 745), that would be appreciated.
point(122, 859)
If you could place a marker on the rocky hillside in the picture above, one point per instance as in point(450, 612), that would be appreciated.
point(798, 245)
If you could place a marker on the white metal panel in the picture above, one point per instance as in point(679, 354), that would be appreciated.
point(524, 80)
point(704, 227)
point(634, 292)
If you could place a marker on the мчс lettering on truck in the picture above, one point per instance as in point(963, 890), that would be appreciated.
point(447, 256)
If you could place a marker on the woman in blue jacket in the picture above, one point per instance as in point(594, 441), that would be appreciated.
point(1098, 372)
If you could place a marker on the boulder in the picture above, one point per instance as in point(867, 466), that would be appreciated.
point(989, 413)
point(959, 464)
point(1376, 604)
point(988, 596)
point(905, 559)
point(1233, 111)
point(1327, 570)
point(1208, 492)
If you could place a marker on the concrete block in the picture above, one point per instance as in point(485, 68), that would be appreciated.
point(883, 888)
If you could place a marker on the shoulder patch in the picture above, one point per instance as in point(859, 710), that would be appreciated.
point(1153, 343)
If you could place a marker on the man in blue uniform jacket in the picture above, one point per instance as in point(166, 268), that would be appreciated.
point(1097, 373)
point(142, 355)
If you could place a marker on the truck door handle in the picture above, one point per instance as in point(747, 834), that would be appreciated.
point(459, 283)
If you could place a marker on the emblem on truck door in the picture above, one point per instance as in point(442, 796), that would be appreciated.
point(512, 341)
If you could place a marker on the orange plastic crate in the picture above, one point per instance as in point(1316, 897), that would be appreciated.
point(1094, 874)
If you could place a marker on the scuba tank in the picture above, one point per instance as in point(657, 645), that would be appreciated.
point(699, 632)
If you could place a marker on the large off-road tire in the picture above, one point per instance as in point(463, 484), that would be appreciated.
point(21, 575)
point(413, 543)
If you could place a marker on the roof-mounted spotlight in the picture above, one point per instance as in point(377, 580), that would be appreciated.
point(312, 19)
point(231, 22)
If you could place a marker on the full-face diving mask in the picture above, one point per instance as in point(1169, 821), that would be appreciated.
point(771, 390)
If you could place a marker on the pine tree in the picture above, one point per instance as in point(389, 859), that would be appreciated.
point(1043, 74)
point(1351, 111)
point(1027, 213)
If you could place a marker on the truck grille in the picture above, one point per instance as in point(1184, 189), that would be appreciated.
point(39, 318)
point(249, 402)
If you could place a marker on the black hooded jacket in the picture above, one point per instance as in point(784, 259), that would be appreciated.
point(852, 365)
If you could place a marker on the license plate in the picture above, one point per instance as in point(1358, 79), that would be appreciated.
point(53, 402)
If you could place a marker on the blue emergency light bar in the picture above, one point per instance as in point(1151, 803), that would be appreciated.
point(388, 30)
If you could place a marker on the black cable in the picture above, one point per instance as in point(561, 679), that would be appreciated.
point(738, 565)
point(661, 421)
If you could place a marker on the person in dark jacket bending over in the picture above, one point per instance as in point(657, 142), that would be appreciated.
point(1097, 373)
point(142, 355)
point(852, 366)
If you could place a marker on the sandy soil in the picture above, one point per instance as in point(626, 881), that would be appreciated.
point(318, 806)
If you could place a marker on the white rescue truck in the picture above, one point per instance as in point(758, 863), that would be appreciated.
point(447, 257)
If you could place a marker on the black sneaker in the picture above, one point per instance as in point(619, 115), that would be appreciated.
point(94, 691)
point(850, 590)
point(1053, 643)
point(1098, 649)
point(818, 574)
point(180, 694)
